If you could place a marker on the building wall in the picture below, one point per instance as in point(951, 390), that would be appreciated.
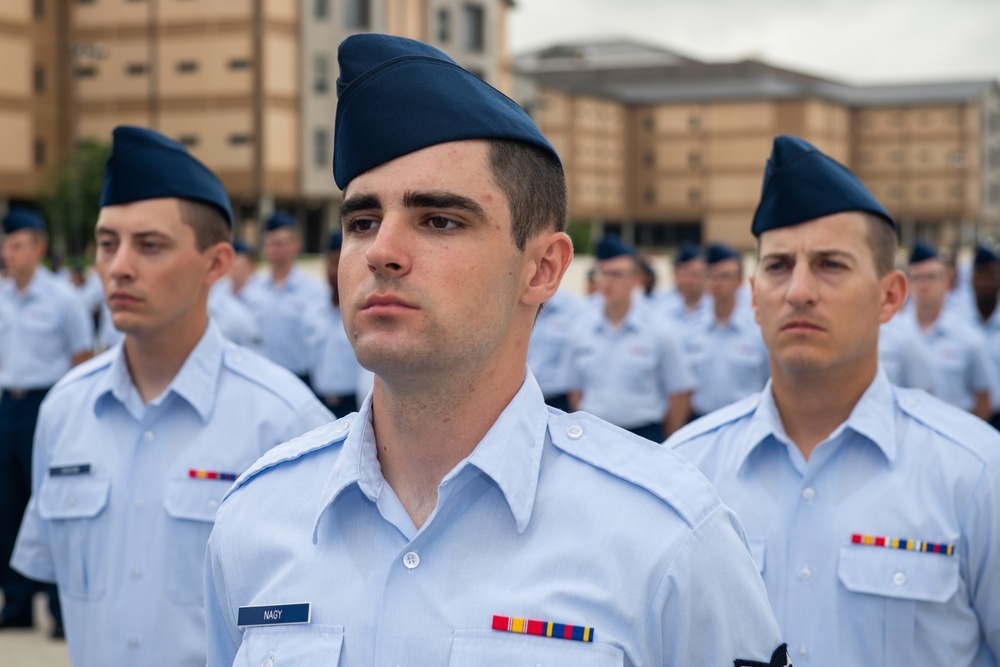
point(17, 171)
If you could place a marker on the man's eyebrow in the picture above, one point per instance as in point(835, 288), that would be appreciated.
point(362, 202)
point(443, 200)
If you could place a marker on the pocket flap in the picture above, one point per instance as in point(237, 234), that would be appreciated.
point(72, 497)
point(195, 499)
point(280, 645)
point(895, 573)
point(757, 550)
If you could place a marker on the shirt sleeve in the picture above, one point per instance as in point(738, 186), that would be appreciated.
point(675, 371)
point(79, 326)
point(981, 535)
point(32, 555)
point(222, 633)
point(712, 605)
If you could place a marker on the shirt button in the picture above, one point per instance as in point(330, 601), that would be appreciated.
point(342, 427)
point(803, 651)
point(238, 358)
point(411, 560)
point(136, 573)
point(148, 436)
point(899, 578)
point(140, 503)
point(71, 501)
point(805, 572)
point(267, 663)
point(213, 504)
point(808, 493)
point(574, 432)
point(133, 642)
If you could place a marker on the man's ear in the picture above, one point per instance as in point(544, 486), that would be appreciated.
point(894, 290)
point(220, 258)
point(551, 255)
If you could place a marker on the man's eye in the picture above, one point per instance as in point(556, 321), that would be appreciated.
point(359, 225)
point(440, 222)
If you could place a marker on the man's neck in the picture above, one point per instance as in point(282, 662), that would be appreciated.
point(723, 309)
point(691, 301)
point(615, 312)
point(23, 279)
point(279, 274)
point(155, 359)
point(813, 405)
point(987, 306)
point(425, 426)
point(928, 313)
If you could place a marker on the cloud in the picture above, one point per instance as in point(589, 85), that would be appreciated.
point(856, 40)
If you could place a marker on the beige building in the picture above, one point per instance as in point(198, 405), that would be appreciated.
point(247, 85)
point(661, 148)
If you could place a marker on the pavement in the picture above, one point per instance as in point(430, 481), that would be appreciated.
point(33, 648)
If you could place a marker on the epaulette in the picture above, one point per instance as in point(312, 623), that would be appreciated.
point(636, 460)
point(714, 420)
point(325, 436)
point(258, 369)
point(961, 427)
point(86, 369)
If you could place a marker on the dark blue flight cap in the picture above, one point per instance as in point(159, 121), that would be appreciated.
point(720, 252)
point(985, 256)
point(20, 217)
point(147, 165)
point(241, 248)
point(397, 96)
point(922, 252)
point(687, 252)
point(336, 241)
point(279, 220)
point(610, 246)
point(802, 184)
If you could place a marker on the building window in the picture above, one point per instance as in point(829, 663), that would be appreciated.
point(358, 13)
point(321, 142)
point(650, 122)
point(321, 74)
point(957, 159)
point(694, 159)
point(40, 156)
point(694, 122)
point(443, 25)
point(85, 2)
point(925, 155)
point(925, 192)
point(993, 158)
point(187, 66)
point(993, 194)
point(239, 63)
point(239, 139)
point(867, 157)
point(650, 196)
point(39, 79)
point(475, 29)
point(992, 121)
point(650, 159)
point(694, 196)
point(321, 8)
point(189, 140)
point(135, 69)
point(39, 7)
point(85, 72)
point(955, 191)
point(896, 156)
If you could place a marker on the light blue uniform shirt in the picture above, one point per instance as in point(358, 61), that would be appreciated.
point(334, 370)
point(627, 374)
point(233, 318)
point(125, 539)
point(729, 361)
point(549, 346)
point(991, 330)
point(904, 465)
point(959, 361)
point(670, 304)
point(285, 314)
point(553, 517)
point(41, 329)
point(902, 355)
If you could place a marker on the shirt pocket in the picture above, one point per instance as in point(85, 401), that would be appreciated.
point(72, 506)
point(191, 505)
point(897, 583)
point(306, 645)
point(491, 648)
point(40, 321)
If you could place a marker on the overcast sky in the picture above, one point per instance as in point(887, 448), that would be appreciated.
point(858, 41)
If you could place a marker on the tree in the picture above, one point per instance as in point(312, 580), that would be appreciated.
point(71, 200)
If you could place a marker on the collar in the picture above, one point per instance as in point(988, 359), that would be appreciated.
point(510, 454)
point(195, 382)
point(870, 418)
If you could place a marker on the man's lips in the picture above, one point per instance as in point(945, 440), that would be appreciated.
point(122, 298)
point(385, 304)
point(801, 326)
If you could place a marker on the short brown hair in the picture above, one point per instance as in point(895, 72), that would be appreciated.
point(882, 239)
point(535, 187)
point(207, 222)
